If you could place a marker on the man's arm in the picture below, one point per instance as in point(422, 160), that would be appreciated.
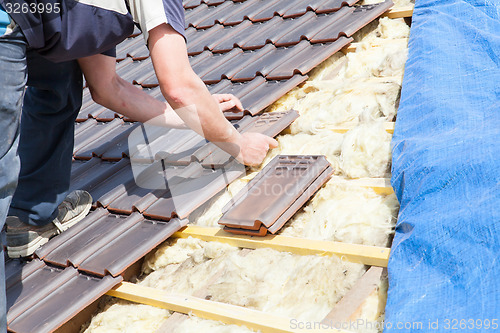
point(111, 91)
point(189, 97)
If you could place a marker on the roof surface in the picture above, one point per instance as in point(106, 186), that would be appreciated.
point(255, 49)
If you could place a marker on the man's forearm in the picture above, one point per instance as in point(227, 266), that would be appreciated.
point(116, 94)
point(184, 90)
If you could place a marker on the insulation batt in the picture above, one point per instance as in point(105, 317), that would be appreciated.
point(124, 317)
point(397, 3)
point(361, 88)
point(261, 279)
point(330, 103)
point(346, 214)
point(195, 324)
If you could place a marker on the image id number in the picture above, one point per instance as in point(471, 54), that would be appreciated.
point(26, 8)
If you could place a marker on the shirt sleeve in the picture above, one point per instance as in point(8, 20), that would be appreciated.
point(151, 13)
point(110, 52)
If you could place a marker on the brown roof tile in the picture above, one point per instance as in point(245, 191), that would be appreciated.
point(41, 298)
point(102, 242)
point(273, 196)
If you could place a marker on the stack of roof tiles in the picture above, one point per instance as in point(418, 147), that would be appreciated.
point(257, 50)
point(275, 194)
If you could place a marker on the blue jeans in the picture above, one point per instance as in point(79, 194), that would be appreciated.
point(13, 73)
point(51, 105)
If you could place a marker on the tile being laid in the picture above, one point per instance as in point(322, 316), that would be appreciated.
point(54, 297)
point(276, 194)
point(270, 124)
point(182, 151)
point(101, 243)
point(209, 155)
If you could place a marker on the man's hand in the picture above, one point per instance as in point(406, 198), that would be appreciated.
point(228, 102)
point(254, 148)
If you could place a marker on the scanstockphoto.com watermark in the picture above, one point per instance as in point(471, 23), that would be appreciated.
point(410, 326)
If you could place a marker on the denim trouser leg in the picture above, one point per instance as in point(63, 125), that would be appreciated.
point(51, 105)
point(12, 82)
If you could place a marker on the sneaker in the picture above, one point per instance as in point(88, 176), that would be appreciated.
point(23, 239)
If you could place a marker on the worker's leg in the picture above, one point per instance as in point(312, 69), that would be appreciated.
point(12, 82)
point(51, 104)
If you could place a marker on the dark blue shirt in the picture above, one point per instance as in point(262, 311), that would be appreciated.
point(64, 30)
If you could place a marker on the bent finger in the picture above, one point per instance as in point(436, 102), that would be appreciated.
point(272, 142)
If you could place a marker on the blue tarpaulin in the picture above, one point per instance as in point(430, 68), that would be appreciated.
point(443, 270)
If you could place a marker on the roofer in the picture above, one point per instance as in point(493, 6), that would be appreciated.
point(60, 32)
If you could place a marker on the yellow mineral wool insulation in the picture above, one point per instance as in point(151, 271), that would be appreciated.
point(328, 69)
point(366, 151)
point(301, 287)
point(125, 317)
point(384, 28)
point(168, 254)
point(328, 104)
point(346, 214)
point(193, 273)
point(372, 311)
point(386, 59)
point(362, 152)
point(195, 324)
point(280, 283)
point(397, 3)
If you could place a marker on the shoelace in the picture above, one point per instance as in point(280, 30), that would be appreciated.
point(64, 206)
point(59, 226)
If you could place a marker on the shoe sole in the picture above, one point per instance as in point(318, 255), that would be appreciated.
point(30, 248)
